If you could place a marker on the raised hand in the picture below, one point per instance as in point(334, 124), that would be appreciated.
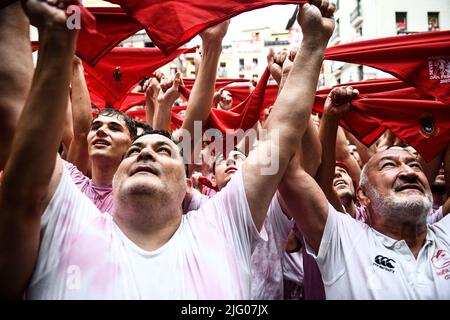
point(169, 90)
point(317, 21)
point(215, 33)
point(49, 14)
point(338, 101)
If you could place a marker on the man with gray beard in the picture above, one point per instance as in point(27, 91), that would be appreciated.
point(395, 255)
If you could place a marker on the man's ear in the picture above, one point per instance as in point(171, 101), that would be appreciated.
point(362, 197)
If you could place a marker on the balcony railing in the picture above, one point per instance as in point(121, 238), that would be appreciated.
point(355, 13)
point(276, 43)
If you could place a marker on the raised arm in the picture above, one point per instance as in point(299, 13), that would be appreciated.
point(201, 98)
point(167, 96)
point(152, 88)
point(288, 120)
point(336, 105)
point(29, 178)
point(81, 117)
point(16, 71)
point(309, 150)
point(343, 155)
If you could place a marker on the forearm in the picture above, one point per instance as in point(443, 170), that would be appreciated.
point(81, 103)
point(41, 121)
point(294, 104)
point(343, 155)
point(67, 136)
point(163, 114)
point(16, 71)
point(81, 118)
point(325, 174)
point(201, 98)
point(150, 106)
point(311, 150)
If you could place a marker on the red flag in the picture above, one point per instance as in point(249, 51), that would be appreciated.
point(243, 116)
point(422, 60)
point(121, 69)
point(220, 82)
point(172, 23)
point(131, 100)
point(423, 124)
point(188, 83)
point(390, 103)
point(113, 26)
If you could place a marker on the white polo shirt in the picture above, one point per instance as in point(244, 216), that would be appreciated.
point(357, 262)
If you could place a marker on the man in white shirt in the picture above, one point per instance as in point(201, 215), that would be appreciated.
point(395, 254)
point(57, 242)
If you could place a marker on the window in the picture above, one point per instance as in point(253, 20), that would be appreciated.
point(255, 63)
point(360, 73)
point(433, 21)
point(400, 21)
point(241, 64)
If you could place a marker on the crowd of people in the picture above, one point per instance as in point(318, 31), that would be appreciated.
point(108, 207)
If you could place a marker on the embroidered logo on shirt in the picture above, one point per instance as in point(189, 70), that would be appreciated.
point(385, 263)
point(439, 68)
point(441, 262)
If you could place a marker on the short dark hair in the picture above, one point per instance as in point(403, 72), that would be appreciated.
point(111, 112)
point(168, 135)
point(145, 126)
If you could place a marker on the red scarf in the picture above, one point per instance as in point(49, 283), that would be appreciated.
point(172, 23)
point(423, 59)
point(389, 103)
point(120, 70)
point(113, 26)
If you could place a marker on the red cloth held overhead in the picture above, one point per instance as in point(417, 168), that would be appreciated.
point(389, 103)
point(188, 84)
point(131, 100)
point(420, 59)
point(113, 26)
point(242, 116)
point(220, 82)
point(423, 124)
point(121, 69)
point(172, 23)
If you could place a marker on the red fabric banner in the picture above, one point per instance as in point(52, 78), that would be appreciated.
point(120, 70)
point(423, 59)
point(413, 116)
point(172, 23)
point(113, 26)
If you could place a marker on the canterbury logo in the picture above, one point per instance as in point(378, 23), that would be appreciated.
point(385, 262)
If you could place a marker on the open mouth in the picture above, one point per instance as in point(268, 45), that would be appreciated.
point(100, 142)
point(231, 170)
point(339, 182)
point(409, 186)
point(144, 169)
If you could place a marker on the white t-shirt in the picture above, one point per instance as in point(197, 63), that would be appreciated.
point(267, 272)
point(293, 267)
point(84, 255)
point(357, 262)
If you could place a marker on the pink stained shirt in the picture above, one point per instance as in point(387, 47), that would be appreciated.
point(100, 195)
point(83, 254)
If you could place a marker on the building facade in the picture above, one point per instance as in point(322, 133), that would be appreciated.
point(369, 19)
